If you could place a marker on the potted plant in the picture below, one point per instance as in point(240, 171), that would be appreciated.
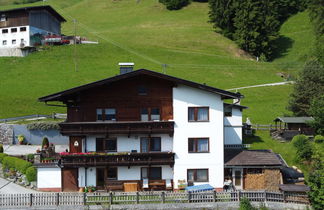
point(21, 139)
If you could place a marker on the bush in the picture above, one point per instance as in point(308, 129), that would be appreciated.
point(31, 174)
point(2, 155)
point(319, 139)
point(45, 142)
point(174, 4)
point(16, 163)
point(245, 204)
point(30, 157)
point(303, 146)
point(1, 148)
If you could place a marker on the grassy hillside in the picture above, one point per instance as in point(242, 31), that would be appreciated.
point(149, 35)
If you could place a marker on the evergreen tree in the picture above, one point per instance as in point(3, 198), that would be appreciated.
point(309, 86)
point(257, 27)
point(317, 111)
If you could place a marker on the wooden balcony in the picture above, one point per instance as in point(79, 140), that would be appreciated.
point(111, 159)
point(117, 127)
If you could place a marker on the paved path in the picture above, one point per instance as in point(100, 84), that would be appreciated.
point(263, 85)
point(9, 187)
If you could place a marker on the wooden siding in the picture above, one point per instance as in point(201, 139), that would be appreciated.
point(20, 18)
point(124, 97)
point(73, 148)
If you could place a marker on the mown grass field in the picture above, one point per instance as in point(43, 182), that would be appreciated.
point(149, 35)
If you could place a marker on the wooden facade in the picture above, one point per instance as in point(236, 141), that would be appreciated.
point(19, 18)
point(70, 179)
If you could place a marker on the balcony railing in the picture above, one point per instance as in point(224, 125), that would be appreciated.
point(117, 159)
point(117, 127)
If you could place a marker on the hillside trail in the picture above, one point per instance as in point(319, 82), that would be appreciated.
point(263, 85)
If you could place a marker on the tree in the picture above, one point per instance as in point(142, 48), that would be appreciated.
point(303, 146)
point(309, 86)
point(316, 110)
point(257, 27)
point(174, 4)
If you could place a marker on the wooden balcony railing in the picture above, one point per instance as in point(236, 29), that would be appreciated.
point(127, 159)
point(117, 127)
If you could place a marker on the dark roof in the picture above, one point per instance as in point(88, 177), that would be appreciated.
point(294, 119)
point(47, 7)
point(262, 158)
point(61, 95)
point(294, 188)
point(236, 105)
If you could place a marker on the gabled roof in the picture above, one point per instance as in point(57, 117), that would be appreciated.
point(261, 158)
point(294, 119)
point(47, 7)
point(63, 94)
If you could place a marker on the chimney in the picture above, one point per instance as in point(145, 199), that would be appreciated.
point(125, 67)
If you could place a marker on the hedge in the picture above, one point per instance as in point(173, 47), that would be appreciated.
point(31, 174)
point(16, 163)
point(2, 155)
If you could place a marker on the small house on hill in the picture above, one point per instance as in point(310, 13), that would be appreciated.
point(21, 29)
point(288, 127)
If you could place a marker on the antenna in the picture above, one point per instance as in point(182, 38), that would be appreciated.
point(75, 50)
point(164, 67)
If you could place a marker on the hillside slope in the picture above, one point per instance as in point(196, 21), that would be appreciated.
point(148, 35)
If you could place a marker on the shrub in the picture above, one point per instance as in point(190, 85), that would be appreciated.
point(174, 4)
point(245, 204)
point(31, 174)
point(1, 148)
point(45, 142)
point(2, 155)
point(319, 139)
point(43, 126)
point(303, 146)
point(30, 157)
point(16, 163)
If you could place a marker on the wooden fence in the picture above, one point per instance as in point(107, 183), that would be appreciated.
point(263, 127)
point(80, 199)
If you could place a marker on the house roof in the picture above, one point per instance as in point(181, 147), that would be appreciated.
point(262, 158)
point(47, 7)
point(294, 119)
point(60, 96)
point(236, 105)
point(294, 188)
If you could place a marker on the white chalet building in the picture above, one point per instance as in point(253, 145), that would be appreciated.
point(143, 129)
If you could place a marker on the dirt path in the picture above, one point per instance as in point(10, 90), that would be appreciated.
point(263, 85)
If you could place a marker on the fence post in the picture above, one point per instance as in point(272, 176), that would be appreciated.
point(265, 196)
point(30, 199)
point(84, 198)
point(238, 196)
point(284, 196)
point(57, 199)
point(163, 197)
point(111, 198)
point(214, 196)
point(189, 196)
point(137, 197)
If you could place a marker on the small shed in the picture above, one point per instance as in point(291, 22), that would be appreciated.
point(293, 123)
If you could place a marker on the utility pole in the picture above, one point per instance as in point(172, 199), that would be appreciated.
point(75, 50)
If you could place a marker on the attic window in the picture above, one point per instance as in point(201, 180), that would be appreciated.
point(142, 91)
point(3, 18)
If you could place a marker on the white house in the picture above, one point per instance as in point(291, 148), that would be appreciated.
point(24, 28)
point(144, 128)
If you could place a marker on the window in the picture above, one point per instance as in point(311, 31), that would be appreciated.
point(14, 41)
point(106, 145)
point(197, 175)
point(4, 42)
point(106, 114)
point(150, 114)
point(153, 173)
point(198, 145)
point(23, 29)
point(4, 31)
point(150, 144)
point(3, 18)
point(200, 114)
point(13, 30)
point(112, 173)
point(22, 41)
point(228, 111)
point(142, 91)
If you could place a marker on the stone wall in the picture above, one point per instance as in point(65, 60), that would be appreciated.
point(6, 134)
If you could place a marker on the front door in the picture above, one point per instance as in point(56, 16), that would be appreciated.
point(75, 144)
point(70, 180)
point(238, 178)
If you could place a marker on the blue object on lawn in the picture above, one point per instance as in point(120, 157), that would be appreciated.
point(202, 187)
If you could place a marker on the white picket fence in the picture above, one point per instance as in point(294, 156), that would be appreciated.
point(80, 199)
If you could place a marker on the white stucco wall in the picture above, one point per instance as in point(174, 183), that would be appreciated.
point(49, 178)
point(91, 176)
point(134, 172)
point(17, 36)
point(184, 97)
point(233, 127)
